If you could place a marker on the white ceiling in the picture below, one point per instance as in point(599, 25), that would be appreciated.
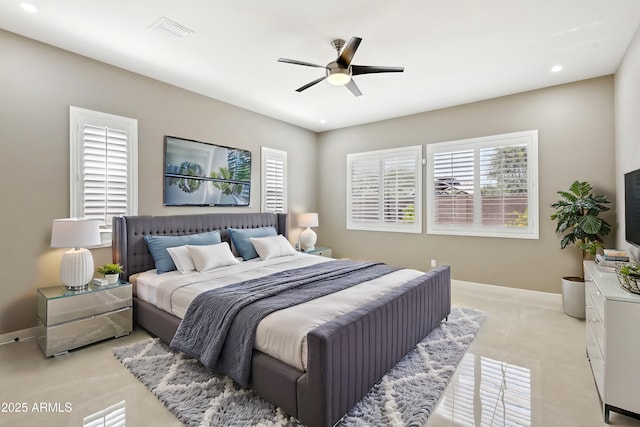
point(453, 51)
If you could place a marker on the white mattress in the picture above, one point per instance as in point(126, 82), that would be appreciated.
point(282, 334)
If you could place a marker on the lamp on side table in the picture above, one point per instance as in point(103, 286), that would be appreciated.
point(76, 268)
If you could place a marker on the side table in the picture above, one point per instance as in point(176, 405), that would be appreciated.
point(71, 319)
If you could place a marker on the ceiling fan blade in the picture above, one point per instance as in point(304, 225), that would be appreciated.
point(308, 85)
point(296, 62)
point(353, 87)
point(349, 50)
point(369, 69)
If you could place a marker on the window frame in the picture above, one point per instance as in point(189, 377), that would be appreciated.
point(531, 231)
point(416, 226)
point(78, 119)
point(266, 154)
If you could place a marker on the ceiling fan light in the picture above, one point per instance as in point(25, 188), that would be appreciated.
point(339, 79)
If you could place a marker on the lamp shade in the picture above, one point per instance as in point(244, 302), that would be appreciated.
point(308, 220)
point(76, 268)
point(74, 233)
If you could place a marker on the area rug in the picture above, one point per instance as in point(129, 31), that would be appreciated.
point(406, 395)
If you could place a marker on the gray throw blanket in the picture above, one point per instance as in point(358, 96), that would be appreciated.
point(219, 326)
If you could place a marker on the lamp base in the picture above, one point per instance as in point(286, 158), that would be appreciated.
point(76, 288)
point(308, 239)
point(76, 269)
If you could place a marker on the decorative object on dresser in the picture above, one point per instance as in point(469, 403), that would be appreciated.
point(629, 277)
point(613, 341)
point(76, 268)
point(308, 237)
point(406, 395)
point(611, 259)
point(71, 319)
point(577, 218)
point(111, 272)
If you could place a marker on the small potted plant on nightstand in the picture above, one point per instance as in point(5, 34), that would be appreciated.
point(111, 272)
point(577, 215)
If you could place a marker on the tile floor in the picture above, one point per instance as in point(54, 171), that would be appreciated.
point(527, 366)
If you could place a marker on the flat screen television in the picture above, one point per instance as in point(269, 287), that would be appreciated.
point(202, 174)
point(632, 207)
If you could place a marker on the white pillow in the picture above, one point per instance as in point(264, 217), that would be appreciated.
point(272, 246)
point(209, 257)
point(181, 258)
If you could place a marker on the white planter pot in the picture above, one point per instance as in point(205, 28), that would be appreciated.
point(112, 278)
point(573, 296)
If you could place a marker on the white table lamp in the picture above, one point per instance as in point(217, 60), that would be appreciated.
point(76, 269)
point(308, 237)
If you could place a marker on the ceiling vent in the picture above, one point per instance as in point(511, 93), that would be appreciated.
point(171, 29)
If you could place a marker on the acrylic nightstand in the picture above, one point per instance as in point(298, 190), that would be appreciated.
point(71, 319)
point(320, 251)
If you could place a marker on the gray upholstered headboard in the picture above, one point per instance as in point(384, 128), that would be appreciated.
point(131, 251)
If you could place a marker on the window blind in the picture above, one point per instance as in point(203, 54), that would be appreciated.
point(383, 190)
point(104, 173)
point(274, 180)
point(484, 186)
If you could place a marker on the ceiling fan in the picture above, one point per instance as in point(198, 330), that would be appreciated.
point(340, 71)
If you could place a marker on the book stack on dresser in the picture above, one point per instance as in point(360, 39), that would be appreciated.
point(612, 259)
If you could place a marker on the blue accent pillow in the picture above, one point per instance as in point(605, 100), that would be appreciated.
point(241, 239)
point(158, 247)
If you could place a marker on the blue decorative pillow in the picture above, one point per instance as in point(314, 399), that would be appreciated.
point(158, 247)
point(241, 239)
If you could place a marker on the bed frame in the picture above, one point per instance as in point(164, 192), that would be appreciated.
point(346, 356)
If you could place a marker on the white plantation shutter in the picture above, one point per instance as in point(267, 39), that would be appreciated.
point(104, 173)
point(274, 180)
point(453, 186)
point(484, 186)
point(103, 167)
point(365, 190)
point(383, 190)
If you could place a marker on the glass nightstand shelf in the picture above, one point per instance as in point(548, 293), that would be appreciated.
point(318, 250)
point(69, 319)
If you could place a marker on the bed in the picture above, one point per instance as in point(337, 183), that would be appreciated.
point(345, 356)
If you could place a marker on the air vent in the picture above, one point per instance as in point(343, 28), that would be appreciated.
point(171, 29)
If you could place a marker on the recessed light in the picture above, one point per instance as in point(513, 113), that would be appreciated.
point(323, 121)
point(556, 68)
point(27, 7)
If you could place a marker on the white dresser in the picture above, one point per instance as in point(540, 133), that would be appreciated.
point(613, 341)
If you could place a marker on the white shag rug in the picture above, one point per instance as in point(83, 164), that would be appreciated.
point(406, 395)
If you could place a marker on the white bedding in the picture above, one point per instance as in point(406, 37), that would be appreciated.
point(282, 334)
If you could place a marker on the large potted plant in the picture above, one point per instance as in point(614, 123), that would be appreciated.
point(577, 219)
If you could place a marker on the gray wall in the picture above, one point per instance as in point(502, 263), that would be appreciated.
point(38, 83)
point(627, 92)
point(575, 141)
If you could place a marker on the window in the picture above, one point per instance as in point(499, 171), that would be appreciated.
point(104, 177)
point(484, 186)
point(383, 190)
point(274, 180)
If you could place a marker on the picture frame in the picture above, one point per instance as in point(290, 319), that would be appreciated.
point(199, 173)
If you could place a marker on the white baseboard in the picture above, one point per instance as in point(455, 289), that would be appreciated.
point(21, 335)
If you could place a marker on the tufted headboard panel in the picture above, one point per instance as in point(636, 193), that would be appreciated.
point(131, 251)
